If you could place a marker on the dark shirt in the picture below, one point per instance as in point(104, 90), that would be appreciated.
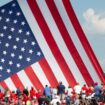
point(61, 89)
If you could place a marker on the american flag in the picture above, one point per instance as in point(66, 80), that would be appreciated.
point(42, 42)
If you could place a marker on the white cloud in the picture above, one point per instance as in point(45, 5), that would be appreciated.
point(94, 23)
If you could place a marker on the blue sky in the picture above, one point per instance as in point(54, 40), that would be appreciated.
point(91, 15)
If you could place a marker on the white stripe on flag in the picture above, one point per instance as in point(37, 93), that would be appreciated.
point(40, 74)
point(10, 84)
point(24, 79)
point(61, 44)
point(42, 43)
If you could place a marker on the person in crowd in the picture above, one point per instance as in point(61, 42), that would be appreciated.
point(32, 93)
point(90, 91)
point(77, 88)
point(18, 92)
point(13, 97)
point(47, 92)
point(43, 100)
point(56, 100)
point(69, 91)
point(67, 99)
point(26, 92)
point(97, 90)
point(53, 92)
point(7, 95)
point(38, 93)
point(77, 100)
point(84, 91)
point(61, 90)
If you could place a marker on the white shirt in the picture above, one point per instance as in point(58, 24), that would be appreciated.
point(77, 89)
point(54, 92)
point(54, 101)
point(69, 91)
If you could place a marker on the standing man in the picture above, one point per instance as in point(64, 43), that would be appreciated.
point(61, 90)
point(47, 92)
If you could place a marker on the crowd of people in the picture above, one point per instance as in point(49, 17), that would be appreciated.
point(60, 95)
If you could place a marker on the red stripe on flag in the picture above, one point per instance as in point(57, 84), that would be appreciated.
point(68, 41)
point(83, 39)
point(33, 78)
point(53, 46)
point(48, 72)
point(3, 84)
point(15, 79)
